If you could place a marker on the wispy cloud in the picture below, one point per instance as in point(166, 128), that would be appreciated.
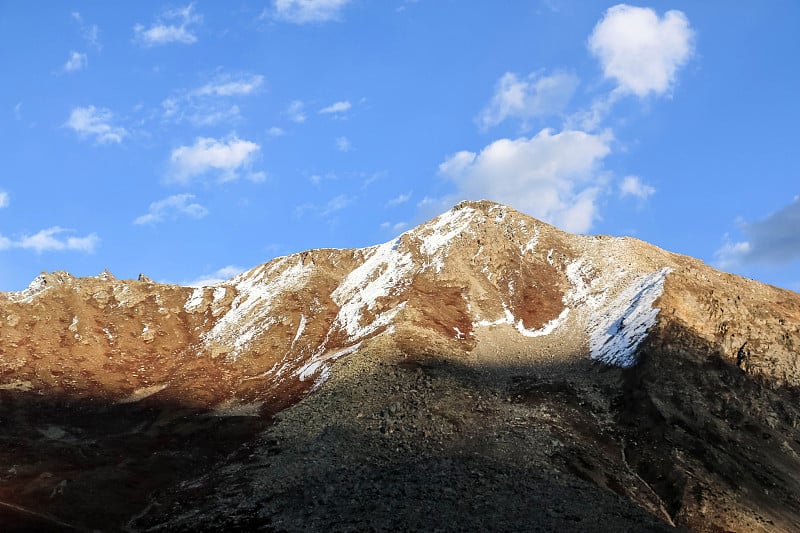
point(332, 206)
point(77, 61)
point(5, 201)
point(633, 186)
point(52, 239)
point(173, 26)
point(296, 111)
point(394, 227)
point(308, 11)
point(275, 131)
point(528, 97)
point(89, 32)
point(214, 278)
point(337, 203)
point(399, 199)
point(336, 108)
point(171, 208)
point(227, 158)
point(211, 103)
point(641, 51)
point(18, 111)
point(343, 144)
point(231, 86)
point(96, 123)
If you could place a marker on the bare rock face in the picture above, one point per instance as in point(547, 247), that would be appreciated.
point(481, 371)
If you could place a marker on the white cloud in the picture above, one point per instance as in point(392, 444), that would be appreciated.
point(399, 199)
point(223, 274)
point(232, 87)
point(95, 122)
point(395, 227)
point(172, 207)
point(227, 157)
point(337, 204)
point(296, 111)
point(52, 239)
point(76, 62)
point(4, 199)
point(308, 11)
point(336, 108)
point(772, 240)
point(633, 186)
point(641, 50)
point(211, 103)
point(275, 131)
point(343, 144)
point(554, 177)
point(90, 33)
point(529, 97)
point(18, 111)
point(173, 26)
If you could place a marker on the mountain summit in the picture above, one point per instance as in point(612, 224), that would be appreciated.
point(484, 370)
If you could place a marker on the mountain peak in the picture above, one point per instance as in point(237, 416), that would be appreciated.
point(481, 286)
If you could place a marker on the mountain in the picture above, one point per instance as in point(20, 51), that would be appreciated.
point(481, 371)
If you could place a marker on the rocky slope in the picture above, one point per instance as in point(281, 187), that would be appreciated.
point(481, 371)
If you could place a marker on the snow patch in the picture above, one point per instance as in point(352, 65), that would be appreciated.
point(618, 328)
point(437, 235)
point(257, 289)
point(300, 330)
point(511, 320)
point(195, 300)
point(531, 245)
point(219, 294)
point(319, 365)
point(385, 272)
point(35, 288)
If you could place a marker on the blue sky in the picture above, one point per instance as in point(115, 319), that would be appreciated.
point(188, 141)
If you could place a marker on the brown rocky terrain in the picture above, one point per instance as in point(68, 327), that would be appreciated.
point(482, 371)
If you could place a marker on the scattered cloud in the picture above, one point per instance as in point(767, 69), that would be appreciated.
point(18, 111)
point(336, 108)
point(394, 227)
point(343, 144)
point(173, 26)
point(275, 131)
point(52, 239)
point(171, 208)
point(227, 86)
point(77, 61)
point(296, 111)
point(228, 158)
point(97, 123)
point(641, 51)
point(211, 103)
point(555, 177)
point(316, 179)
point(89, 32)
point(5, 201)
point(773, 240)
point(214, 278)
point(337, 203)
point(528, 97)
point(308, 11)
point(633, 186)
point(399, 199)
